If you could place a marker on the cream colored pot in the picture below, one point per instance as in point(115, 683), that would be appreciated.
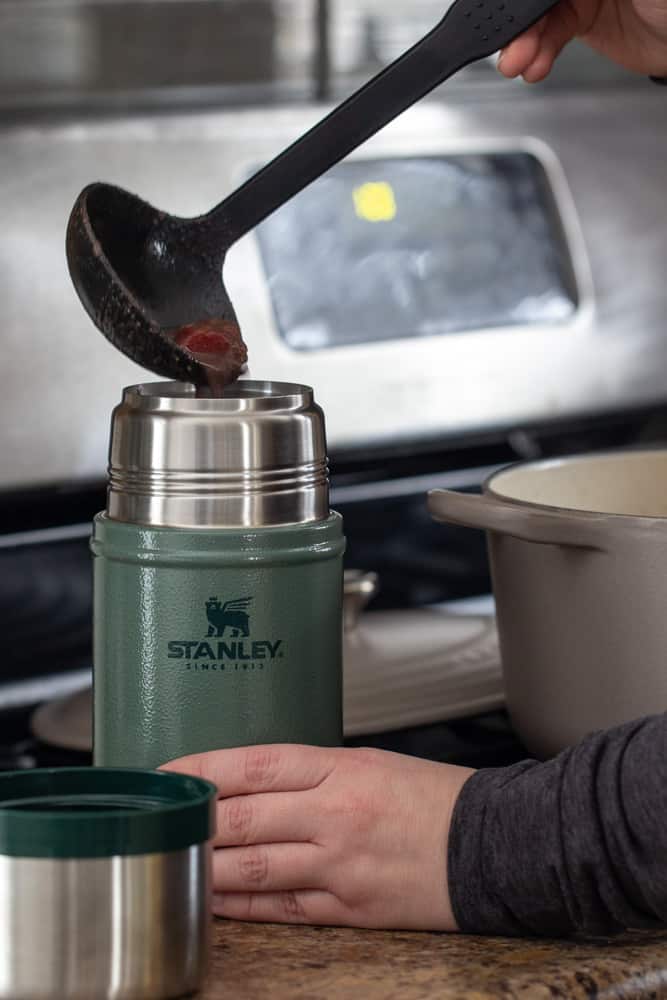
point(578, 552)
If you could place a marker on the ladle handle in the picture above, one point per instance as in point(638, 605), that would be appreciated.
point(470, 30)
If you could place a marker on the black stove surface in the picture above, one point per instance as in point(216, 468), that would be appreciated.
point(19, 750)
point(45, 608)
point(482, 741)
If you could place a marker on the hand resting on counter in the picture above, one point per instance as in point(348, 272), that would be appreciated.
point(331, 836)
point(367, 838)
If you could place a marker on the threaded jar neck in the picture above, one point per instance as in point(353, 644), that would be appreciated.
point(253, 457)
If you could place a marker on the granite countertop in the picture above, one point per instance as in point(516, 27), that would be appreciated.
point(312, 963)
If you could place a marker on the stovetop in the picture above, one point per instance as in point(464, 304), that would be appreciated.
point(482, 741)
point(46, 611)
point(46, 575)
point(45, 608)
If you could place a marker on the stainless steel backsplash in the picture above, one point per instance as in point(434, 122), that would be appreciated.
point(64, 52)
point(130, 53)
point(59, 378)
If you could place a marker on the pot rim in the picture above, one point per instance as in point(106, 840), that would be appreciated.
point(575, 512)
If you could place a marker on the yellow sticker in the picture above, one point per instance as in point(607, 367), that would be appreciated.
point(375, 202)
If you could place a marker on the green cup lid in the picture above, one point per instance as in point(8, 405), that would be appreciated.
point(94, 812)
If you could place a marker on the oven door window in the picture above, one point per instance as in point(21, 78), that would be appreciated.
point(412, 247)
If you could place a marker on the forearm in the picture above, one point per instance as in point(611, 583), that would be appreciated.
point(578, 843)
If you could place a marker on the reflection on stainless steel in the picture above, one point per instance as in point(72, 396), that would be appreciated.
point(83, 50)
point(133, 927)
point(253, 457)
point(56, 427)
point(169, 53)
point(366, 34)
point(464, 242)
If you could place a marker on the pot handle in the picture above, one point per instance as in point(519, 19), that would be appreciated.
point(530, 524)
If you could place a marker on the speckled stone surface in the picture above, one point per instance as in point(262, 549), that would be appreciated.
point(295, 963)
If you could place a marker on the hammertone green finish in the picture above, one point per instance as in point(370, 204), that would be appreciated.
point(91, 812)
point(215, 638)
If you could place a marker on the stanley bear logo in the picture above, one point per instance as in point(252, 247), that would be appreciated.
point(229, 624)
point(231, 615)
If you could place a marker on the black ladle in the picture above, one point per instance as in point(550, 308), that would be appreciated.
point(141, 273)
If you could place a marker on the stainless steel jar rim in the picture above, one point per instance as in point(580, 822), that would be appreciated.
point(242, 396)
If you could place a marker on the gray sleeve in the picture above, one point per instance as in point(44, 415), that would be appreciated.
point(575, 844)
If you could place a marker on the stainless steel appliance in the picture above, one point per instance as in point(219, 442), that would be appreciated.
point(543, 215)
point(568, 354)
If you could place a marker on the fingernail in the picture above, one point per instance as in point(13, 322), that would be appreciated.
point(500, 61)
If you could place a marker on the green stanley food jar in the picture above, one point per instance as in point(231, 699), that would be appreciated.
point(218, 571)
